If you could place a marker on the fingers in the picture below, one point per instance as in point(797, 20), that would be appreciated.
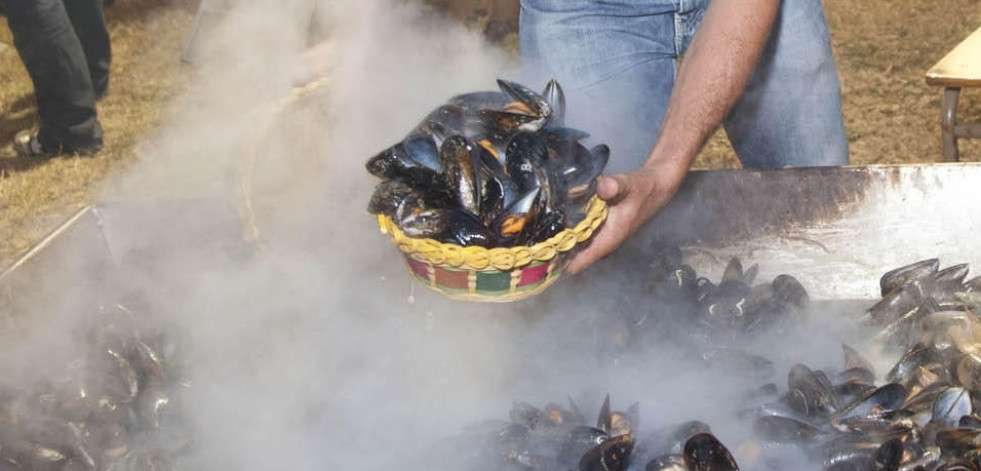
point(626, 213)
point(612, 189)
point(595, 251)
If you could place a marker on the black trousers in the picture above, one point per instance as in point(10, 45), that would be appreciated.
point(65, 47)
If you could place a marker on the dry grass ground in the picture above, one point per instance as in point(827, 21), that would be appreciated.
point(882, 47)
point(147, 37)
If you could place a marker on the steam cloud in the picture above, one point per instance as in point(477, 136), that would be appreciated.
point(318, 352)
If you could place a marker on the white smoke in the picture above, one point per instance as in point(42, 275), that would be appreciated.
point(313, 349)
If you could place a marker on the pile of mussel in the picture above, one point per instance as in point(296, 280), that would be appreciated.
point(115, 406)
point(557, 438)
point(489, 169)
point(922, 414)
point(685, 304)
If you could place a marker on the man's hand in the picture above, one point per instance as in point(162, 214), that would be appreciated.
point(633, 199)
point(715, 70)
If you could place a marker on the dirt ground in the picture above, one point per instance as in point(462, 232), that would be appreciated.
point(882, 48)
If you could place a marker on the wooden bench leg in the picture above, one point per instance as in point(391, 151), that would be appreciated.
point(948, 121)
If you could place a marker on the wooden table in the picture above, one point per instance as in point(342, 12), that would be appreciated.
point(960, 68)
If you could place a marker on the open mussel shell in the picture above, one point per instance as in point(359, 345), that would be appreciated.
point(581, 176)
point(894, 280)
point(497, 190)
point(811, 393)
point(886, 398)
point(952, 404)
point(533, 100)
point(423, 150)
point(555, 98)
point(516, 218)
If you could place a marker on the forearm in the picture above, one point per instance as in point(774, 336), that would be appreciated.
point(716, 68)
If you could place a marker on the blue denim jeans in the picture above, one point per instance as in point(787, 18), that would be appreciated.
point(616, 60)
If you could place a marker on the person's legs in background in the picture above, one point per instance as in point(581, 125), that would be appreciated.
point(56, 62)
point(790, 113)
point(90, 26)
point(615, 61)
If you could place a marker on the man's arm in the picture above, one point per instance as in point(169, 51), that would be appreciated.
point(716, 68)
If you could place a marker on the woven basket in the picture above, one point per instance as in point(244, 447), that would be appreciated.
point(498, 274)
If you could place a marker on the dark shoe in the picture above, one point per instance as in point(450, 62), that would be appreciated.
point(27, 145)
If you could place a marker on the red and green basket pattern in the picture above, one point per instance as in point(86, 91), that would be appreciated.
point(497, 274)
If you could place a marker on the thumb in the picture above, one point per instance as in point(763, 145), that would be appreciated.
point(613, 189)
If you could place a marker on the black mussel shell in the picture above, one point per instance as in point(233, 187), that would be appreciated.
point(889, 455)
point(492, 200)
point(555, 97)
point(395, 163)
point(561, 143)
point(553, 189)
point(704, 452)
point(886, 398)
point(534, 101)
point(516, 218)
point(810, 392)
point(466, 229)
point(958, 441)
point(855, 359)
point(443, 122)
point(581, 176)
point(782, 429)
point(604, 421)
point(544, 228)
point(899, 277)
point(954, 274)
point(504, 121)
point(475, 101)
point(526, 414)
point(388, 195)
point(667, 463)
point(611, 455)
point(460, 170)
point(428, 223)
point(525, 153)
point(952, 404)
point(421, 200)
point(497, 190)
point(789, 292)
point(454, 226)
point(578, 440)
point(423, 150)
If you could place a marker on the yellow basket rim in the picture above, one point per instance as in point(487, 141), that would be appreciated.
point(497, 258)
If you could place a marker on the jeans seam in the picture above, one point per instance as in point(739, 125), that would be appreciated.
point(679, 33)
